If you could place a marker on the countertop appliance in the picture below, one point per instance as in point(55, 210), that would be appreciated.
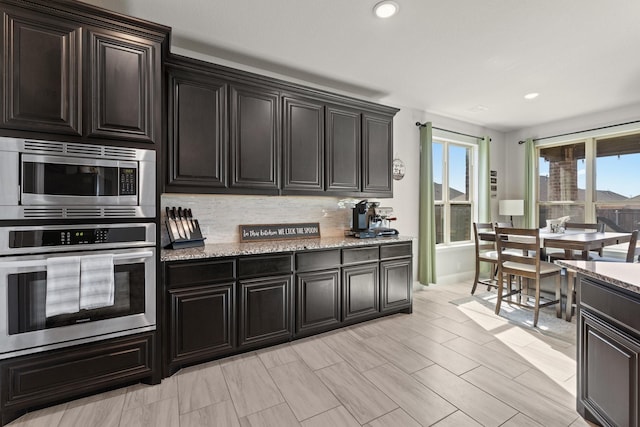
point(59, 180)
point(370, 220)
point(125, 255)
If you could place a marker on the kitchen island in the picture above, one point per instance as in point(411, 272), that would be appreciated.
point(608, 298)
point(222, 299)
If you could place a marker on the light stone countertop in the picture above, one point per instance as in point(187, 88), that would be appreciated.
point(621, 274)
point(218, 250)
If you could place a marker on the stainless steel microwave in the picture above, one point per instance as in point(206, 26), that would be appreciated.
point(47, 179)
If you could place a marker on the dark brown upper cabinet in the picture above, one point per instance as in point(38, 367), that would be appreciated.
point(377, 154)
point(303, 145)
point(255, 138)
point(42, 73)
point(124, 84)
point(74, 69)
point(343, 146)
point(197, 131)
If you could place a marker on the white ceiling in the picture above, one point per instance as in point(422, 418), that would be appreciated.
point(443, 56)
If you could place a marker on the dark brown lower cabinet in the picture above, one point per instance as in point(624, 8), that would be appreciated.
point(317, 301)
point(608, 355)
point(395, 284)
point(202, 322)
point(360, 291)
point(55, 376)
point(264, 311)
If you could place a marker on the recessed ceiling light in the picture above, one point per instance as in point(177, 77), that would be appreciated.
point(531, 95)
point(386, 9)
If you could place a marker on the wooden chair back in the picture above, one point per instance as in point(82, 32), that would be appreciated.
point(518, 251)
point(598, 227)
point(482, 245)
point(631, 252)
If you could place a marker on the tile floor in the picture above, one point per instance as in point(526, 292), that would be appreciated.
point(443, 365)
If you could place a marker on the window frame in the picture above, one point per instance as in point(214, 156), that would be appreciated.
point(446, 203)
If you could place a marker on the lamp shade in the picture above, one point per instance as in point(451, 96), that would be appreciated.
point(511, 207)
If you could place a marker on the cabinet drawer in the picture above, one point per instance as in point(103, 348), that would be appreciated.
point(264, 265)
point(395, 250)
point(59, 374)
point(318, 260)
point(607, 301)
point(199, 272)
point(357, 255)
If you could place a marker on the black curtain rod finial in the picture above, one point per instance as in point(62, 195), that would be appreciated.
point(420, 124)
point(521, 142)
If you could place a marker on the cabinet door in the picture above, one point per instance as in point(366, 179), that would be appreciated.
point(344, 161)
point(377, 153)
point(201, 322)
point(395, 284)
point(317, 301)
point(42, 73)
point(254, 138)
point(197, 130)
point(265, 310)
point(124, 95)
point(608, 384)
point(360, 291)
point(303, 145)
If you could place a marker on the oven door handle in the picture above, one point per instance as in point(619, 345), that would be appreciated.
point(43, 262)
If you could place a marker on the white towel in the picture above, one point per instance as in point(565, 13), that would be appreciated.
point(63, 285)
point(97, 287)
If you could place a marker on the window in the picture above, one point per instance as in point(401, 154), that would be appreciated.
point(591, 181)
point(452, 181)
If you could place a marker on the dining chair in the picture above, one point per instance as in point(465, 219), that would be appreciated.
point(485, 253)
point(571, 274)
point(578, 226)
point(519, 256)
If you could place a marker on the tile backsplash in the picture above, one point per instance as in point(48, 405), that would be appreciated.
point(220, 215)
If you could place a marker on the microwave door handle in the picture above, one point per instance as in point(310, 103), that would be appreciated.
point(43, 262)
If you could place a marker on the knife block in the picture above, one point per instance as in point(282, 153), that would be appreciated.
point(176, 229)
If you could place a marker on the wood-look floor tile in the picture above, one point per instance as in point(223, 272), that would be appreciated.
point(443, 356)
point(422, 403)
point(457, 419)
point(354, 351)
point(316, 353)
point(46, 417)
point(163, 413)
point(97, 397)
point(201, 386)
point(426, 329)
point(279, 415)
point(507, 362)
point(221, 414)
point(479, 405)
point(444, 309)
point(469, 330)
point(143, 394)
point(521, 420)
point(539, 408)
point(250, 386)
point(361, 398)
point(100, 413)
point(394, 418)
point(277, 355)
point(302, 389)
point(546, 386)
point(336, 417)
point(397, 353)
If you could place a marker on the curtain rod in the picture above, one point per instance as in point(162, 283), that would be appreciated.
point(581, 131)
point(451, 131)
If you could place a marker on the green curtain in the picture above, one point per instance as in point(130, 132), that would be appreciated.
point(427, 226)
point(530, 184)
point(484, 185)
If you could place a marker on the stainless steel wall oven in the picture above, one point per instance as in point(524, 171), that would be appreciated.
point(62, 285)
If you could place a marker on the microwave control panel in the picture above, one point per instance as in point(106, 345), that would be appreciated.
point(128, 182)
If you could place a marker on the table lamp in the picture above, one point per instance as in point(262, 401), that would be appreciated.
point(510, 208)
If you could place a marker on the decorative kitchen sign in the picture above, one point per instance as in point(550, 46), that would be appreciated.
point(253, 233)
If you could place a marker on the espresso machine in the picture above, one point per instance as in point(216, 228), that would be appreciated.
point(371, 220)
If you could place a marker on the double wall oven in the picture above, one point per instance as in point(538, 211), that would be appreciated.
point(77, 244)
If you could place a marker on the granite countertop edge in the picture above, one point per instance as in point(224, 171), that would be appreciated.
point(622, 275)
point(220, 250)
